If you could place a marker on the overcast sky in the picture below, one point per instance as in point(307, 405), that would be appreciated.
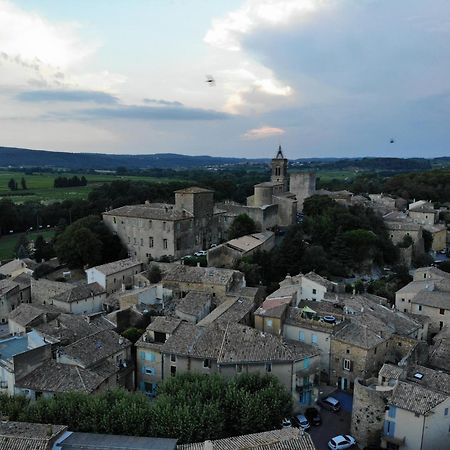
point(320, 77)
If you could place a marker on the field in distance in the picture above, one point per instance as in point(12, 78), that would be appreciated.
point(40, 185)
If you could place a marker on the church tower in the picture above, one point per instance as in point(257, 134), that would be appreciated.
point(279, 170)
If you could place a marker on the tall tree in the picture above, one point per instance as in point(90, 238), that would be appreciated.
point(23, 183)
point(241, 226)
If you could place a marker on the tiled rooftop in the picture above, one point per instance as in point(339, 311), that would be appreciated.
point(80, 292)
point(194, 303)
point(150, 211)
point(118, 266)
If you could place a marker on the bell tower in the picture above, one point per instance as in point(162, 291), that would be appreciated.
point(279, 170)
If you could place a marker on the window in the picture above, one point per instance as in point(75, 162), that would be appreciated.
point(150, 224)
point(409, 300)
point(347, 365)
point(301, 336)
point(173, 371)
point(269, 323)
point(314, 339)
point(142, 242)
point(348, 351)
point(389, 428)
point(164, 226)
point(268, 367)
point(306, 363)
point(403, 299)
point(238, 368)
point(114, 220)
point(375, 351)
point(314, 291)
point(441, 325)
point(442, 311)
point(149, 371)
point(150, 242)
point(129, 239)
point(446, 412)
point(206, 364)
point(173, 358)
point(164, 243)
point(134, 240)
point(419, 307)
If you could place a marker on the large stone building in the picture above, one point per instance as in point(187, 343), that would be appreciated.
point(154, 230)
point(276, 202)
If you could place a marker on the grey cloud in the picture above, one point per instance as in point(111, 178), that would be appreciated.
point(63, 95)
point(162, 102)
point(150, 113)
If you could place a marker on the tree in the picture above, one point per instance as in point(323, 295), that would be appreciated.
point(88, 242)
point(23, 184)
point(43, 250)
point(427, 240)
point(132, 334)
point(154, 274)
point(21, 247)
point(241, 226)
point(12, 184)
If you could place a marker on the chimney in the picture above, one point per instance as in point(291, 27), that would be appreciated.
point(208, 445)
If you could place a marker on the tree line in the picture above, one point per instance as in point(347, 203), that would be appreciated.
point(188, 407)
point(14, 186)
point(74, 181)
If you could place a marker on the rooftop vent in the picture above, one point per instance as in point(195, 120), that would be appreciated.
point(418, 376)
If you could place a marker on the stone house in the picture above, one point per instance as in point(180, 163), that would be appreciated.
point(9, 298)
point(26, 316)
point(284, 439)
point(227, 254)
point(194, 306)
point(81, 299)
point(170, 347)
point(24, 282)
point(114, 276)
point(427, 295)
point(270, 316)
point(17, 267)
point(215, 281)
point(154, 230)
point(20, 355)
point(423, 212)
point(405, 408)
point(105, 350)
point(30, 436)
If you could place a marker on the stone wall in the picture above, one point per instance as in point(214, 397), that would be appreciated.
point(303, 185)
point(369, 406)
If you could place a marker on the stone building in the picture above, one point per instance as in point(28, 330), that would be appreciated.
point(116, 275)
point(171, 346)
point(275, 202)
point(405, 408)
point(427, 295)
point(154, 230)
point(9, 298)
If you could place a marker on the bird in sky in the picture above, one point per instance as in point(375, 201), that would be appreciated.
point(210, 80)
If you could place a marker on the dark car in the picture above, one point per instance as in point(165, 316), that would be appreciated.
point(330, 403)
point(313, 416)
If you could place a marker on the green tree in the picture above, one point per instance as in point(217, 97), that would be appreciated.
point(12, 184)
point(23, 184)
point(427, 240)
point(241, 226)
point(154, 274)
point(21, 247)
point(132, 334)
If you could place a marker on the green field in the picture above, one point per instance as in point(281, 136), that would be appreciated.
point(40, 185)
point(328, 175)
point(8, 243)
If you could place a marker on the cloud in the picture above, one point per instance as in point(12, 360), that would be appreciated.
point(263, 133)
point(59, 95)
point(146, 113)
point(162, 102)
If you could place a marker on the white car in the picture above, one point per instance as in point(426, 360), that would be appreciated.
point(303, 422)
point(341, 442)
point(286, 423)
point(201, 253)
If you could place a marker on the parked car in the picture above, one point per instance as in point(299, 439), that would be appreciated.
point(313, 416)
point(341, 442)
point(286, 423)
point(330, 403)
point(201, 253)
point(302, 422)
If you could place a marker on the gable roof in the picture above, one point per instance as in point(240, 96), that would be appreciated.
point(415, 398)
point(435, 299)
point(117, 266)
point(80, 292)
point(26, 313)
point(28, 436)
point(96, 347)
point(151, 211)
point(284, 439)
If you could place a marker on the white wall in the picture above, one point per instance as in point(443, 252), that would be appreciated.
point(312, 290)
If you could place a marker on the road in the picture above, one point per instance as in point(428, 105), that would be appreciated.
point(332, 425)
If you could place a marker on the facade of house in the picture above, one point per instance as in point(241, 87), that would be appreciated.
point(172, 346)
point(9, 298)
point(114, 276)
point(81, 299)
point(154, 230)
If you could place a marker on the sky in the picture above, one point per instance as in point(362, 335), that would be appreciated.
point(321, 78)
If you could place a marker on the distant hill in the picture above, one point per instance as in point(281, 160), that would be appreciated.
point(20, 157)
